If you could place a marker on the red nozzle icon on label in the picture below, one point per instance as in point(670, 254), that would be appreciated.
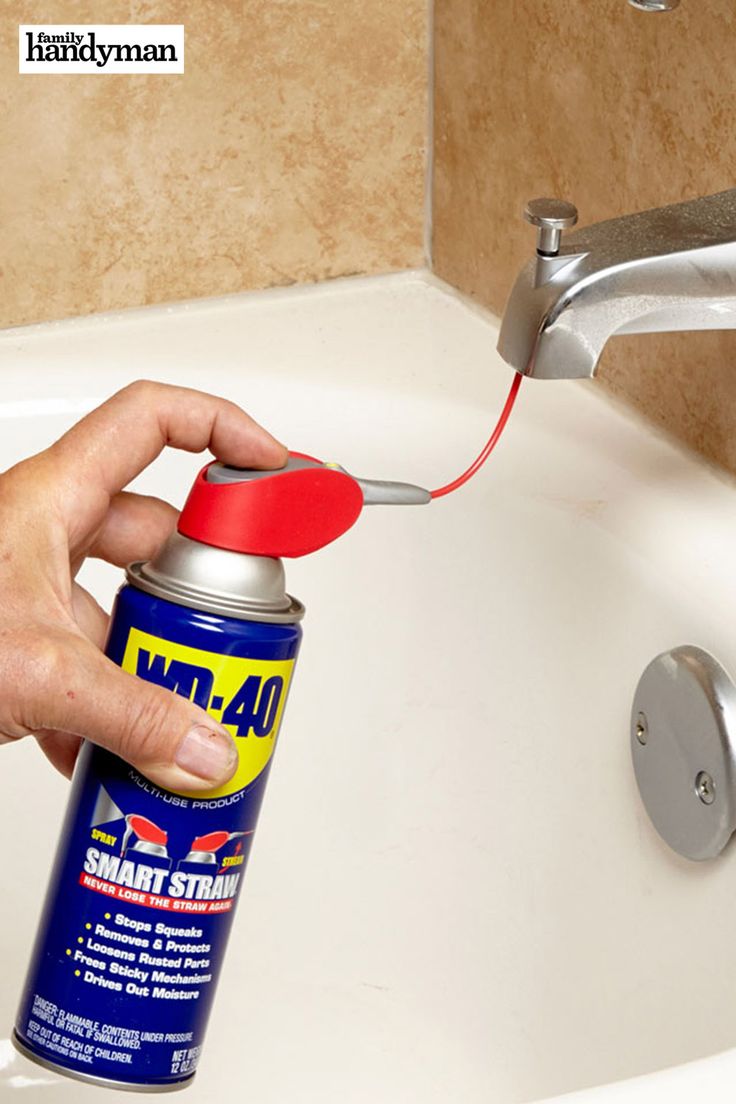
point(213, 841)
point(149, 837)
point(202, 849)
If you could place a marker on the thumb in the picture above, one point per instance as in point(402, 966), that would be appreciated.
point(170, 740)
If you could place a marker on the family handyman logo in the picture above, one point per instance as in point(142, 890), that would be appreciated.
point(101, 48)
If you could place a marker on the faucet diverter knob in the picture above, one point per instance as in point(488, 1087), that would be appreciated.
point(551, 217)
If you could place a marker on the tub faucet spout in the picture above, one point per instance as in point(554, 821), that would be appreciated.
point(670, 268)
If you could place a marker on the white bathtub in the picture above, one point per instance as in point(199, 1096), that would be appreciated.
point(455, 894)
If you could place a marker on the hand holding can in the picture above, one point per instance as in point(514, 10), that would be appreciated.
point(68, 503)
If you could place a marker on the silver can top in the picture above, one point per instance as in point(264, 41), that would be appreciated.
point(214, 580)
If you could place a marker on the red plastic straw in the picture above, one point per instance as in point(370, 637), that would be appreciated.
point(490, 444)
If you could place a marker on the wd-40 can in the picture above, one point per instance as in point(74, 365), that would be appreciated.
point(145, 881)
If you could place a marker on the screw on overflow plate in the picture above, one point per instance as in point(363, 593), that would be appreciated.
point(705, 787)
point(642, 729)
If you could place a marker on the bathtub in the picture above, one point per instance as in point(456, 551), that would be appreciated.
point(455, 894)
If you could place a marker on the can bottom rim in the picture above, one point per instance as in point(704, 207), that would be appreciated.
point(91, 1079)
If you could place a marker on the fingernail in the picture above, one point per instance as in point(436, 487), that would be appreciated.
point(209, 753)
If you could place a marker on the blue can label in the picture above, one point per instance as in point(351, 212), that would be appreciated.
point(145, 881)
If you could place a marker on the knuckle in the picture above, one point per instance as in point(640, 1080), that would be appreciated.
point(44, 659)
point(20, 491)
point(148, 726)
point(37, 669)
point(142, 391)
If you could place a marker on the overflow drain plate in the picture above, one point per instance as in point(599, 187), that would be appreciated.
point(683, 744)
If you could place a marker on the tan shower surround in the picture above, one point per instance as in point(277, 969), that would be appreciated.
point(610, 107)
point(292, 149)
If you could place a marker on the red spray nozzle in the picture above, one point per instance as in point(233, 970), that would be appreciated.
point(145, 831)
point(290, 511)
point(213, 841)
point(303, 506)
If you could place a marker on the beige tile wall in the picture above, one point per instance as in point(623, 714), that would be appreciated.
point(614, 109)
point(292, 149)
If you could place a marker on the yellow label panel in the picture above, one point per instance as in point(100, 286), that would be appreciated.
point(246, 696)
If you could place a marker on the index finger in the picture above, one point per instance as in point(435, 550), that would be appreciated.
point(121, 438)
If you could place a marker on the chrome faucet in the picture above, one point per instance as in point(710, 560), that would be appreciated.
point(671, 268)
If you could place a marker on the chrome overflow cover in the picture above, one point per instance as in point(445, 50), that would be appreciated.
point(683, 744)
